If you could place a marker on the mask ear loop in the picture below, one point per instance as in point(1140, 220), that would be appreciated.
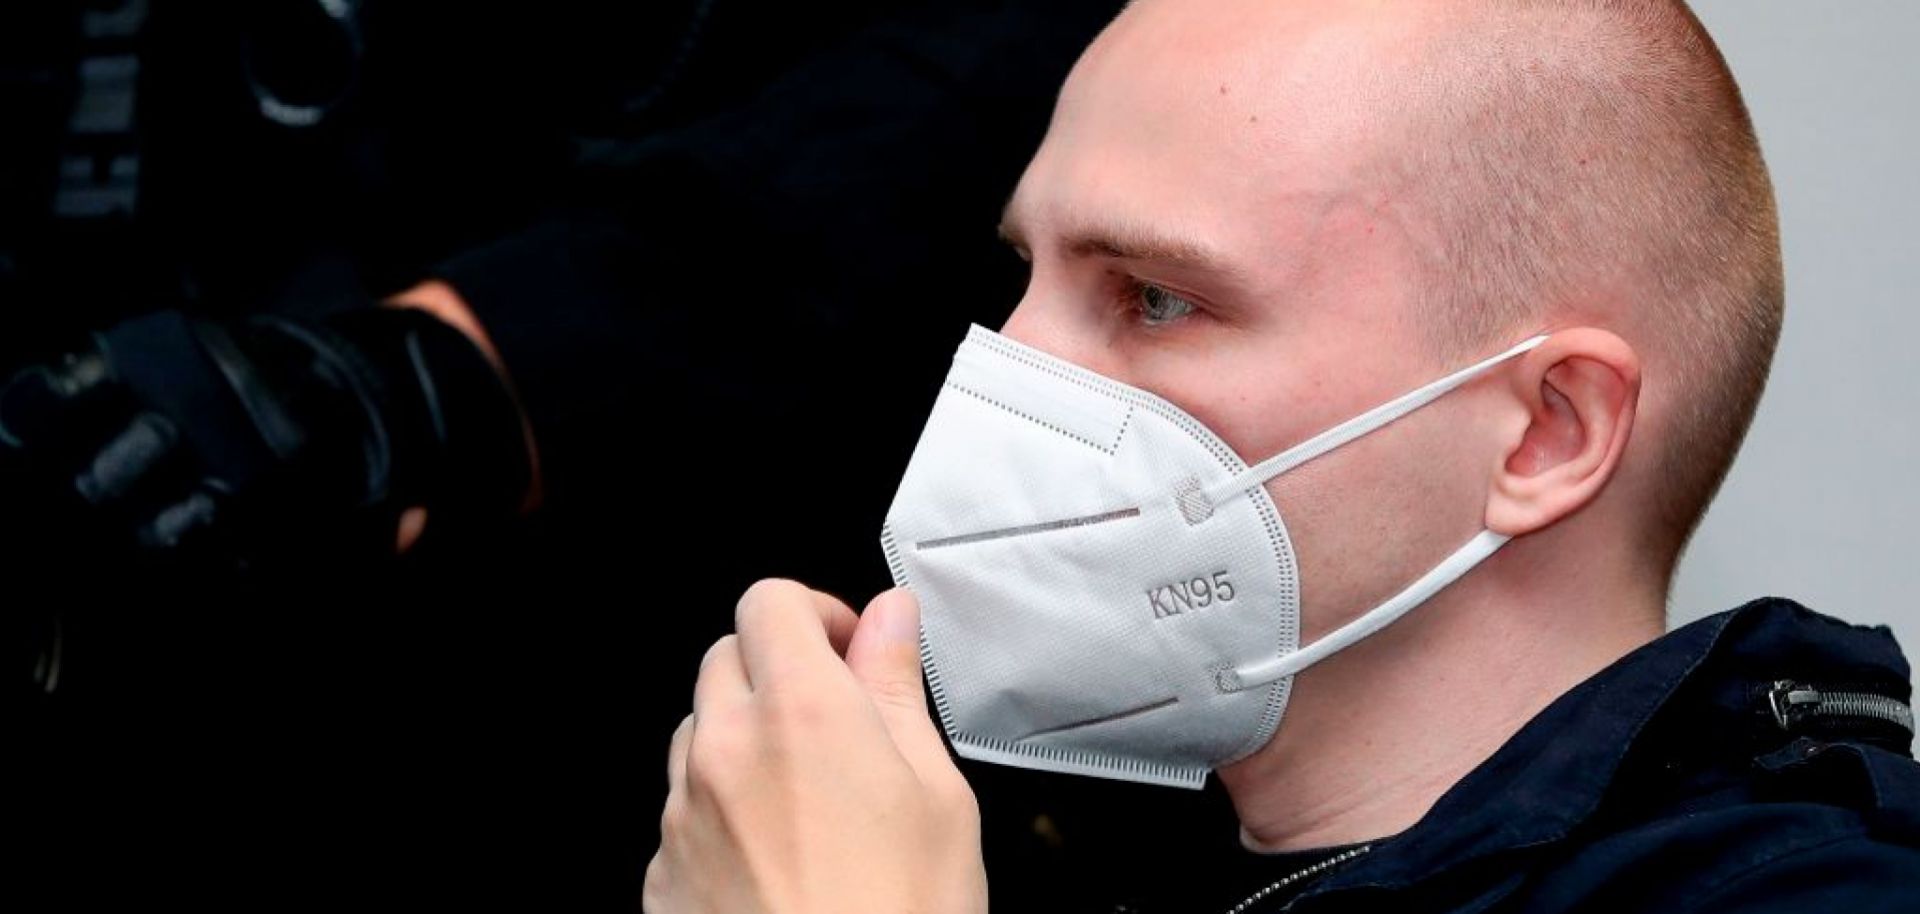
point(1353, 428)
point(1197, 506)
point(1449, 570)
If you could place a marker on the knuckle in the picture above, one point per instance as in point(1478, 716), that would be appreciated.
point(673, 817)
point(653, 891)
point(798, 707)
point(677, 743)
point(728, 726)
point(765, 594)
point(718, 649)
point(718, 748)
point(899, 690)
point(702, 780)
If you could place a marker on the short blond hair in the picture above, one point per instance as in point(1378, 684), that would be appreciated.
point(1569, 152)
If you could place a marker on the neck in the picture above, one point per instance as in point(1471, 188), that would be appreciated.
point(1375, 734)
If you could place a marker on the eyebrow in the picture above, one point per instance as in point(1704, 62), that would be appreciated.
point(1127, 242)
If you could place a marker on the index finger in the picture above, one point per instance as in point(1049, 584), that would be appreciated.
point(787, 628)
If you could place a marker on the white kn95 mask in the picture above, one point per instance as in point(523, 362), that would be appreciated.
point(1105, 587)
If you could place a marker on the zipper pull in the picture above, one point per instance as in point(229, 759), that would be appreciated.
point(1793, 702)
point(1785, 696)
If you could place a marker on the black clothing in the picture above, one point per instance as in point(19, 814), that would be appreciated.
point(1663, 783)
point(727, 302)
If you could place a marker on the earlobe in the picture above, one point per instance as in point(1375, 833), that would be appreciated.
point(1579, 391)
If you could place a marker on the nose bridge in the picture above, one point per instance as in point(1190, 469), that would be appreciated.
point(1044, 322)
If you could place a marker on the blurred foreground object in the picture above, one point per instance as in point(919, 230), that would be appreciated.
point(272, 439)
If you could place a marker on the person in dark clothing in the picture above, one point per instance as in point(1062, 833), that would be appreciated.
point(1250, 223)
point(690, 228)
point(1686, 776)
point(491, 746)
point(802, 141)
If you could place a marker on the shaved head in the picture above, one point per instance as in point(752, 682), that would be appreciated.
point(1592, 160)
point(1278, 215)
point(1543, 164)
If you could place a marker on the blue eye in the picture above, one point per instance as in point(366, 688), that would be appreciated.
point(1158, 306)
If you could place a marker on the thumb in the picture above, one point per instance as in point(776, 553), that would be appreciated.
point(885, 658)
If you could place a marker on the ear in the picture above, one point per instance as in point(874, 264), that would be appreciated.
point(1579, 390)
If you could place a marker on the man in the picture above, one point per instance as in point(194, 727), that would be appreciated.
point(1277, 216)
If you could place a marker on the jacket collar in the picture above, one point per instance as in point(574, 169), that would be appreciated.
point(1555, 772)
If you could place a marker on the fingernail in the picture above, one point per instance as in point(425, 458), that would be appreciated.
point(899, 617)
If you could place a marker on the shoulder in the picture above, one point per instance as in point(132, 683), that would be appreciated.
point(1858, 847)
point(1839, 826)
point(1723, 859)
point(1852, 874)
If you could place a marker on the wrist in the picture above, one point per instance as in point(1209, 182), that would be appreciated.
point(439, 427)
point(445, 302)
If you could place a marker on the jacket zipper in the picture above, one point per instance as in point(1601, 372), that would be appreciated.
point(1320, 867)
point(1793, 702)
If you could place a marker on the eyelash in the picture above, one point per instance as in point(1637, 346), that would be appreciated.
point(1135, 296)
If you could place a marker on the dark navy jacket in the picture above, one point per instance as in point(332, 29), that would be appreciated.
point(1667, 782)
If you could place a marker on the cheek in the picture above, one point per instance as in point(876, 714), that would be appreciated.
point(1423, 472)
point(1370, 517)
point(1258, 402)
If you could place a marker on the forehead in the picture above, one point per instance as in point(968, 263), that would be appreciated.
point(1227, 119)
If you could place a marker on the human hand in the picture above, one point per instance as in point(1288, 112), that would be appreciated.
point(804, 783)
point(270, 438)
